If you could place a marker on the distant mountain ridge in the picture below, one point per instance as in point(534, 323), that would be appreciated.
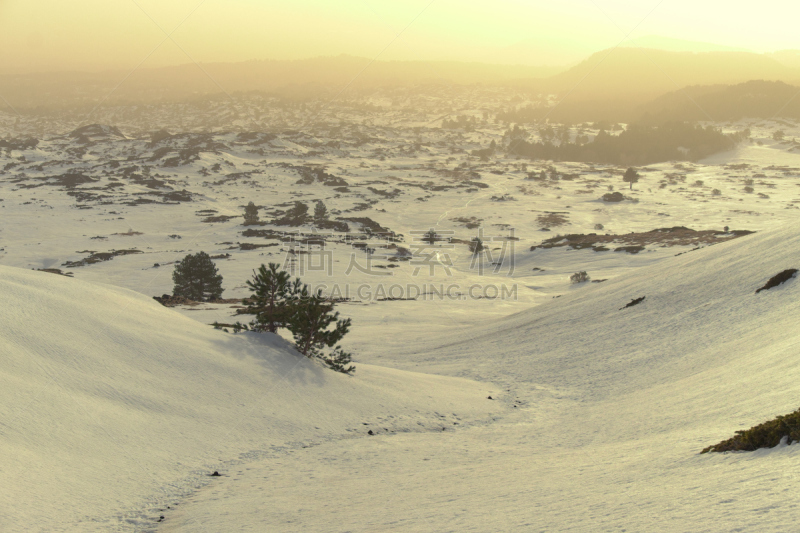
point(752, 99)
point(613, 84)
point(609, 85)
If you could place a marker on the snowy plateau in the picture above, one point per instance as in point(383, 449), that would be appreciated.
point(489, 395)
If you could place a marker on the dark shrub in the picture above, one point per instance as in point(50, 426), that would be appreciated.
point(766, 435)
point(196, 278)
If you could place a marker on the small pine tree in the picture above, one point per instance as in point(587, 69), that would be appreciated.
point(320, 211)
point(299, 211)
point(631, 176)
point(196, 277)
point(430, 237)
point(272, 298)
point(476, 246)
point(579, 277)
point(250, 214)
point(311, 321)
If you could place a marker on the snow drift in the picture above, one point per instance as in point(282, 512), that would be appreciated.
point(616, 404)
point(111, 405)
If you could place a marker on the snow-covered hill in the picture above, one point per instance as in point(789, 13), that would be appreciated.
point(112, 407)
point(614, 406)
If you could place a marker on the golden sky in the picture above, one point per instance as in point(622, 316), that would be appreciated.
point(45, 35)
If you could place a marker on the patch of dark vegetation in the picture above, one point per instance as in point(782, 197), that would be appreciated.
point(370, 226)
point(470, 223)
point(430, 186)
point(71, 179)
point(333, 225)
point(98, 257)
point(552, 219)
point(245, 246)
point(310, 175)
point(19, 144)
point(766, 435)
point(255, 138)
point(778, 279)
point(361, 206)
point(177, 196)
point(630, 249)
point(55, 271)
point(386, 194)
point(145, 179)
point(613, 197)
point(219, 218)
point(296, 216)
point(635, 242)
point(234, 176)
point(138, 201)
point(264, 233)
point(84, 196)
point(460, 174)
point(635, 301)
point(637, 145)
point(477, 184)
point(503, 198)
point(168, 300)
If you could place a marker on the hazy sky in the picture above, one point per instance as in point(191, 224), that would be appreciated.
point(39, 35)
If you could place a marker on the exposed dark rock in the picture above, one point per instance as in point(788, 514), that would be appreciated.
point(778, 279)
point(635, 301)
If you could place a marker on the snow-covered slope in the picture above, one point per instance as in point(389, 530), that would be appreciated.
point(615, 406)
point(700, 314)
point(112, 406)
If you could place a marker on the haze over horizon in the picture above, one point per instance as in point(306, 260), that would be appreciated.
point(91, 35)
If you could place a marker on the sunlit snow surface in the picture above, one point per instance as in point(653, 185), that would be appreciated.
point(114, 407)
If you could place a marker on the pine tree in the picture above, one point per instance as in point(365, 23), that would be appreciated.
point(250, 214)
point(430, 237)
point(320, 211)
point(311, 321)
point(631, 176)
point(476, 246)
point(196, 277)
point(579, 277)
point(272, 298)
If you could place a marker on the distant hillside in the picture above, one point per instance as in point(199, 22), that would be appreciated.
point(609, 85)
point(612, 84)
point(790, 58)
point(753, 99)
point(295, 79)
